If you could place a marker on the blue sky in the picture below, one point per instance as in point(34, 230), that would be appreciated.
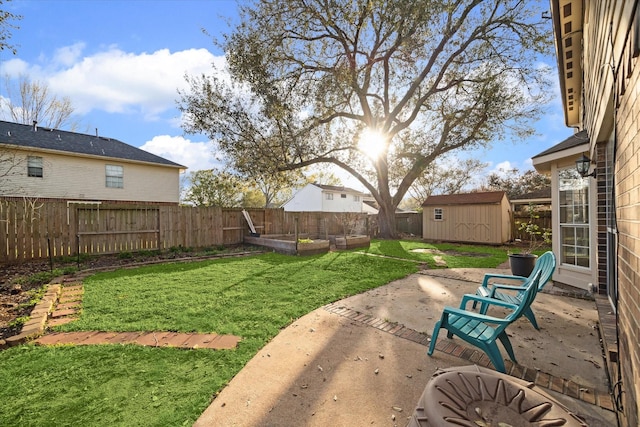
point(122, 61)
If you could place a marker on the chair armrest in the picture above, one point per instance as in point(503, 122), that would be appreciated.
point(484, 300)
point(497, 286)
point(488, 276)
point(475, 316)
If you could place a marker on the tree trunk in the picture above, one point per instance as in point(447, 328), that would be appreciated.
point(387, 222)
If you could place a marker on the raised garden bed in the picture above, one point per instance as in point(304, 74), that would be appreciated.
point(286, 244)
point(352, 242)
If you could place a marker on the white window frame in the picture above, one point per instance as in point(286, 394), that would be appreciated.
point(356, 198)
point(35, 167)
point(438, 214)
point(114, 176)
point(329, 196)
point(574, 219)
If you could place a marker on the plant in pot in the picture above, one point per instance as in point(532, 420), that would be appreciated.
point(522, 263)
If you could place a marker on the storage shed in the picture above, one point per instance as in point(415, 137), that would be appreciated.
point(471, 217)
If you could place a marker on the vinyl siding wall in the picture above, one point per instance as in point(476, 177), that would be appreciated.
point(339, 203)
point(309, 199)
point(314, 199)
point(83, 178)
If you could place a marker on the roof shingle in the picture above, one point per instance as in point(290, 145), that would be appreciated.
point(28, 136)
point(466, 198)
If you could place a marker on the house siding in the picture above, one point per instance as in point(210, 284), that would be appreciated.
point(312, 198)
point(340, 204)
point(83, 178)
point(627, 170)
point(608, 103)
point(307, 199)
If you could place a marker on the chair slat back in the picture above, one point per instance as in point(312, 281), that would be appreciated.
point(545, 265)
point(528, 295)
point(547, 262)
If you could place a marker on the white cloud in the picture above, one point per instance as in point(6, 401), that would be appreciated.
point(116, 81)
point(502, 168)
point(194, 155)
point(68, 55)
point(14, 67)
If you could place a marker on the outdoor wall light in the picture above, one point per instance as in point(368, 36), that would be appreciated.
point(582, 165)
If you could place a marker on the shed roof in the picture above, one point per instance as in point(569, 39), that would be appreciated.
point(489, 197)
point(33, 137)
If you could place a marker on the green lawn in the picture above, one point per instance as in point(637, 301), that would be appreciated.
point(252, 297)
point(454, 255)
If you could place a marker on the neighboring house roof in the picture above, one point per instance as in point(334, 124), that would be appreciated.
point(37, 138)
point(574, 140)
point(373, 207)
point(466, 198)
point(337, 188)
point(371, 203)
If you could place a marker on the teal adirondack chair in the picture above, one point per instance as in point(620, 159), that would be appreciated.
point(546, 264)
point(481, 330)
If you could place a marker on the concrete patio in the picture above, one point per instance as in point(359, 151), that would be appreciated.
point(362, 360)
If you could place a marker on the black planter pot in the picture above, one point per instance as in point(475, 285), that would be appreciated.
point(522, 264)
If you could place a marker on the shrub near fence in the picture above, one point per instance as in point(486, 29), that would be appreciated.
point(542, 219)
point(31, 229)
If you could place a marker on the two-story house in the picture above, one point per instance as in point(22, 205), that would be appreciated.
point(325, 198)
point(596, 175)
point(46, 163)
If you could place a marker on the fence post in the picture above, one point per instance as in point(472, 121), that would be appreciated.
point(326, 229)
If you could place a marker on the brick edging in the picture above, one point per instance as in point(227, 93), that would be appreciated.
point(601, 398)
point(37, 319)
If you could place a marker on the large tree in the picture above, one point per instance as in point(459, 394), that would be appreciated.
point(517, 184)
point(29, 101)
point(213, 187)
point(6, 25)
point(379, 88)
point(449, 177)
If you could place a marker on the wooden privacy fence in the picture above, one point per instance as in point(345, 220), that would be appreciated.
point(409, 223)
point(543, 221)
point(31, 229)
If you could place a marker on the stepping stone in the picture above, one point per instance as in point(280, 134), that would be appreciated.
point(152, 339)
point(68, 305)
point(64, 313)
point(440, 261)
point(61, 321)
point(123, 338)
point(70, 298)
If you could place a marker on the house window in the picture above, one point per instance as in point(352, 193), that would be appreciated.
point(356, 198)
point(574, 218)
point(115, 176)
point(437, 214)
point(34, 166)
point(343, 196)
point(329, 196)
